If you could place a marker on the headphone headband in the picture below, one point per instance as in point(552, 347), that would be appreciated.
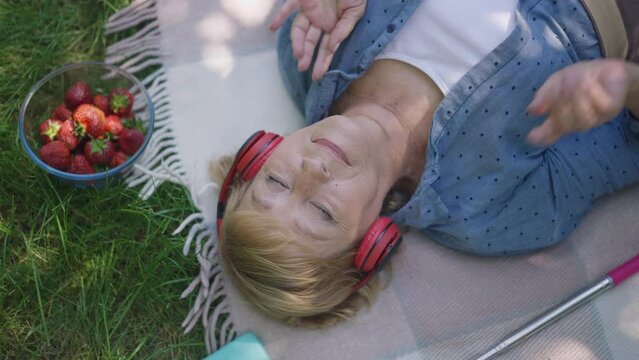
point(247, 163)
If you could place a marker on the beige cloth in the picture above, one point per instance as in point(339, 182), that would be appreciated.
point(222, 80)
point(445, 305)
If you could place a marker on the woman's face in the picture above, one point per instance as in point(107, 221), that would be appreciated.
point(325, 182)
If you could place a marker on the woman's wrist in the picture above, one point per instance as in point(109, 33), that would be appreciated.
point(632, 99)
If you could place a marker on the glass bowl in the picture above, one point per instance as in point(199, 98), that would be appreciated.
point(48, 93)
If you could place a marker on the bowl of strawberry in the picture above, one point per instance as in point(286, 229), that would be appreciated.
point(86, 123)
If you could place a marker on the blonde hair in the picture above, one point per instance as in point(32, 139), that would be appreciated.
point(280, 276)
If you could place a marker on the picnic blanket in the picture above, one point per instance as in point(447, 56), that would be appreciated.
point(211, 68)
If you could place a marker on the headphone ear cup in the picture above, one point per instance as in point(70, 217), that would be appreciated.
point(377, 244)
point(252, 157)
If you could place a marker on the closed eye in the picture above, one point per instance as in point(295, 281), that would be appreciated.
point(277, 181)
point(324, 213)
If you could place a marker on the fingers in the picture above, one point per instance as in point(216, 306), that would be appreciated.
point(331, 41)
point(304, 39)
point(344, 26)
point(561, 115)
point(578, 98)
point(323, 61)
point(549, 131)
point(605, 104)
point(545, 96)
point(584, 115)
point(299, 29)
point(565, 116)
point(314, 19)
point(284, 12)
point(545, 134)
point(312, 38)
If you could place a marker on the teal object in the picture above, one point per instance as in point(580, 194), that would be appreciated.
point(246, 347)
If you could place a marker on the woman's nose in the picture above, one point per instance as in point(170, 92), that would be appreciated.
point(316, 168)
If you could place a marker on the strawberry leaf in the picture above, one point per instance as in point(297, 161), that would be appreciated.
point(109, 136)
point(52, 130)
point(97, 146)
point(119, 102)
point(79, 131)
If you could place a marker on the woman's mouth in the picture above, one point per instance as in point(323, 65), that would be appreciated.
point(333, 148)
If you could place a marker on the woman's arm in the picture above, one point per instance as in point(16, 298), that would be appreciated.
point(583, 96)
point(327, 22)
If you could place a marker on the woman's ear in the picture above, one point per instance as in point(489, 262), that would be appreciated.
point(393, 201)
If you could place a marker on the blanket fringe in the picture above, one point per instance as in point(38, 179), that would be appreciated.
point(209, 306)
point(140, 54)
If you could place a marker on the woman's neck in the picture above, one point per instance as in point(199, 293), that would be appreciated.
point(401, 99)
point(406, 141)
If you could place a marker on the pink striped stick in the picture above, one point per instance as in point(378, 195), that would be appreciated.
point(612, 279)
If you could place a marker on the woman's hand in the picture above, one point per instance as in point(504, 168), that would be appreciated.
point(583, 96)
point(330, 20)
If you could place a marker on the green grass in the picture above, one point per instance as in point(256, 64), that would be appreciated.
point(89, 274)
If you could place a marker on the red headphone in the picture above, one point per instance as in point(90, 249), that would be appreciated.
point(378, 243)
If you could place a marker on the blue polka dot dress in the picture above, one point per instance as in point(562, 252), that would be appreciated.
point(485, 190)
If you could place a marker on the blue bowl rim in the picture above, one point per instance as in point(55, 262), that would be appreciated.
point(85, 177)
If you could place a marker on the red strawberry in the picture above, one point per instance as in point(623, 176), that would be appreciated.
point(118, 159)
point(49, 130)
point(67, 134)
point(56, 154)
point(114, 125)
point(99, 151)
point(61, 112)
point(128, 115)
point(80, 165)
point(130, 140)
point(120, 101)
point(98, 126)
point(79, 93)
point(102, 103)
point(91, 119)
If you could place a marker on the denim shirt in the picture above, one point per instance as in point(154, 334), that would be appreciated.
point(485, 190)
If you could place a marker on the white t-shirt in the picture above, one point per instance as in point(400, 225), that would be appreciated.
point(446, 38)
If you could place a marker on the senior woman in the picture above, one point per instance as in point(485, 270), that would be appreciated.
point(489, 127)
